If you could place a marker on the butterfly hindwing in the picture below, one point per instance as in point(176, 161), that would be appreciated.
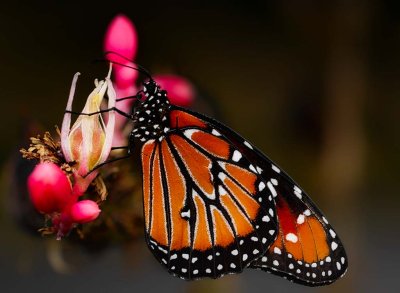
point(202, 201)
point(307, 249)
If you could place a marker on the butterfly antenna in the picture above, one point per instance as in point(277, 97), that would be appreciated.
point(138, 67)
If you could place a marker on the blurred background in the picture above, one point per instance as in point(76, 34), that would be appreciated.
point(315, 86)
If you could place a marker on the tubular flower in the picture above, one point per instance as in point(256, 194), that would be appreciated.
point(89, 140)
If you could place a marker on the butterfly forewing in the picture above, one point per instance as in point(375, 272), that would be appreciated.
point(202, 202)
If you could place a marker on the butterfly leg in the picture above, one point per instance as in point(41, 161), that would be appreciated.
point(102, 111)
point(108, 162)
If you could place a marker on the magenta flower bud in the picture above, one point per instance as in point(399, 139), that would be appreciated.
point(125, 77)
point(49, 188)
point(121, 37)
point(180, 90)
point(84, 211)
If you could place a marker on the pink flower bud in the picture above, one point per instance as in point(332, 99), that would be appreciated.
point(84, 211)
point(180, 90)
point(125, 77)
point(49, 188)
point(121, 38)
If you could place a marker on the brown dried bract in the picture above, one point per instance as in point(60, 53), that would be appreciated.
point(46, 149)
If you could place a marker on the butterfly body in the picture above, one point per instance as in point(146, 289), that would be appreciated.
point(214, 204)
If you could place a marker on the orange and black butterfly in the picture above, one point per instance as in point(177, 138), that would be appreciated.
point(214, 204)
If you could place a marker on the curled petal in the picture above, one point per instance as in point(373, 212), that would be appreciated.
point(109, 131)
point(66, 124)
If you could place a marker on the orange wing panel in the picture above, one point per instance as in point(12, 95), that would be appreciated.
point(177, 191)
point(202, 240)
point(212, 144)
point(196, 162)
point(250, 206)
point(181, 119)
point(241, 223)
point(222, 232)
point(319, 237)
point(244, 177)
point(147, 151)
point(159, 218)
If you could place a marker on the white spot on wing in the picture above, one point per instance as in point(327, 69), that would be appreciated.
point(236, 156)
point(188, 133)
point(261, 186)
point(251, 167)
point(265, 219)
point(300, 219)
point(185, 214)
point(247, 144)
point(334, 245)
point(275, 168)
point(291, 237)
point(221, 176)
point(338, 265)
point(216, 133)
point(272, 189)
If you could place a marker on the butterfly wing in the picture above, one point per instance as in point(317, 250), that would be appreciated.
point(307, 249)
point(207, 209)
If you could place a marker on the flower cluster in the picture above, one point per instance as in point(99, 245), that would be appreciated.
point(59, 184)
point(86, 145)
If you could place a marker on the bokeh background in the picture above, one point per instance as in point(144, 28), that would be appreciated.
point(314, 85)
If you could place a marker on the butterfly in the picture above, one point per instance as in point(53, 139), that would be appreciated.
point(214, 204)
